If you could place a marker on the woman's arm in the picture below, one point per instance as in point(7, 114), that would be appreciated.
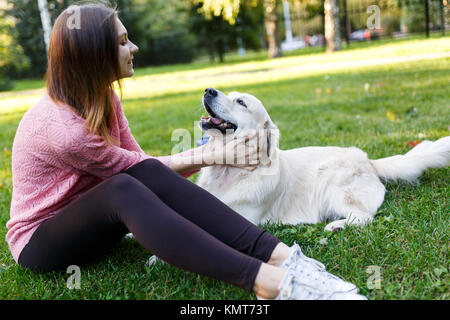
point(186, 162)
point(241, 153)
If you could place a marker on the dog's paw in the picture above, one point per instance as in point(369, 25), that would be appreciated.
point(336, 225)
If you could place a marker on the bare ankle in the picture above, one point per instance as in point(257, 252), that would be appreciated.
point(279, 254)
point(267, 281)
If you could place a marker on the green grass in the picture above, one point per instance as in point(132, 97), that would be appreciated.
point(315, 99)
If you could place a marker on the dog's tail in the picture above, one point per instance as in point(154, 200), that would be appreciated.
point(410, 166)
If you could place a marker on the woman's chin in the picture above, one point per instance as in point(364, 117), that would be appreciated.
point(127, 74)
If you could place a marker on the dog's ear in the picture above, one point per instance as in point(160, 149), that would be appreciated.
point(272, 136)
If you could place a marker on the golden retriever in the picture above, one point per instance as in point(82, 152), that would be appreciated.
point(303, 185)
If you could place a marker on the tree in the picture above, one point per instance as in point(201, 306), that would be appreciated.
point(160, 28)
point(11, 57)
point(214, 34)
point(29, 33)
point(272, 29)
point(229, 10)
point(332, 30)
point(46, 22)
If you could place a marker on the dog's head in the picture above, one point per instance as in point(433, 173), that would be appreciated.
point(238, 114)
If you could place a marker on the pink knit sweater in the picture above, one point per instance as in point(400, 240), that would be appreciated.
point(55, 159)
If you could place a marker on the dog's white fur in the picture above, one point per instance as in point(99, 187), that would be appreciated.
point(311, 184)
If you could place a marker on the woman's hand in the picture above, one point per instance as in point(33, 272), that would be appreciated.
point(238, 152)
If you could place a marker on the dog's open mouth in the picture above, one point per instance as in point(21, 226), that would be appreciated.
point(215, 122)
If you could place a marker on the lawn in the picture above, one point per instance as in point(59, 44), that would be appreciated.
point(376, 97)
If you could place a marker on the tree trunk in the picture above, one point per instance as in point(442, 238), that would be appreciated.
point(46, 22)
point(332, 30)
point(347, 24)
point(271, 26)
point(427, 18)
point(220, 45)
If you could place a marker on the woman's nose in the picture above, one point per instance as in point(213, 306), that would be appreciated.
point(134, 48)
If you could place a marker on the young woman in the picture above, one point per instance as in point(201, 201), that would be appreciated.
point(81, 182)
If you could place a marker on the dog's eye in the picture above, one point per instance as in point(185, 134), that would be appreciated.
point(241, 102)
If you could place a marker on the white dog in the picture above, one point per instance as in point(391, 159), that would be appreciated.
point(304, 185)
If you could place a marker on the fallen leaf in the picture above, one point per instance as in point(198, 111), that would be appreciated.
point(6, 151)
point(413, 143)
point(391, 116)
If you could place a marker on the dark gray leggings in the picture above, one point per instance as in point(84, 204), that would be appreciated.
point(170, 216)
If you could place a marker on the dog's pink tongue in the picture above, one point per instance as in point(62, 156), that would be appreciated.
point(216, 121)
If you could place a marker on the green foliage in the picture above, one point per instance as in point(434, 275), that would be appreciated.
point(250, 24)
point(28, 34)
point(414, 15)
point(12, 59)
point(5, 82)
point(11, 55)
point(227, 9)
point(216, 32)
point(176, 31)
point(160, 28)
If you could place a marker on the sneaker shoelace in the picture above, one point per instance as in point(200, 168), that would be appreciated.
point(300, 256)
point(309, 266)
point(296, 255)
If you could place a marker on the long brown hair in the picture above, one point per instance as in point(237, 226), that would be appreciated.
point(83, 63)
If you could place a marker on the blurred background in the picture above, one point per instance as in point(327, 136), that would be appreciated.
point(181, 31)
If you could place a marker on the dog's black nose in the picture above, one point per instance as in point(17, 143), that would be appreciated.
point(211, 92)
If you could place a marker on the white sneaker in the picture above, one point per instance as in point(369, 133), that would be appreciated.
point(307, 267)
point(295, 286)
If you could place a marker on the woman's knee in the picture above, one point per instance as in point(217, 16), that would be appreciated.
point(124, 195)
point(151, 165)
point(122, 186)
